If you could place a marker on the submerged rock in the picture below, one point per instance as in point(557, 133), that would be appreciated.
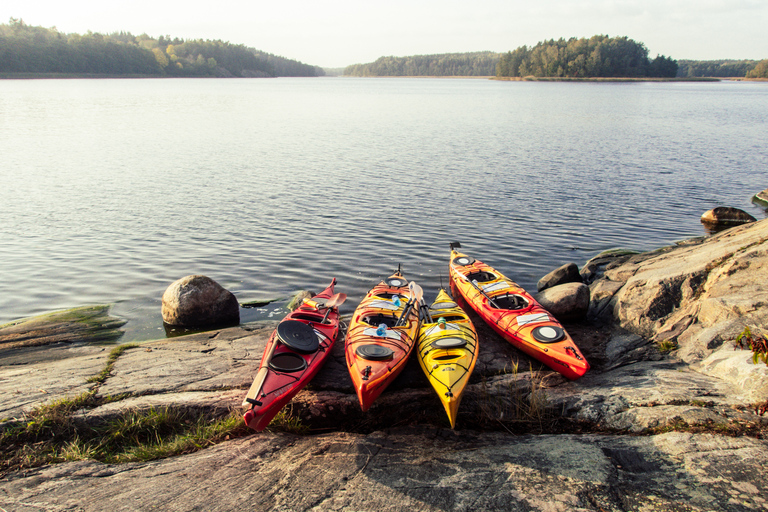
point(761, 198)
point(82, 324)
point(726, 216)
point(199, 301)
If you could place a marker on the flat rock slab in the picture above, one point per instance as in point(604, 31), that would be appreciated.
point(200, 362)
point(25, 385)
point(416, 469)
point(651, 394)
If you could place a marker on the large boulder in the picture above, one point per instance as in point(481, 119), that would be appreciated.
point(567, 302)
point(199, 301)
point(726, 216)
point(568, 273)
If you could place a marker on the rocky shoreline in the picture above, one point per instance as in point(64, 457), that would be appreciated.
point(667, 418)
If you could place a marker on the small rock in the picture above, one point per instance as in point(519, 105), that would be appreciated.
point(567, 302)
point(761, 198)
point(199, 301)
point(568, 273)
point(298, 299)
point(726, 216)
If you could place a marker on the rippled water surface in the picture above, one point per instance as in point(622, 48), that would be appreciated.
point(112, 189)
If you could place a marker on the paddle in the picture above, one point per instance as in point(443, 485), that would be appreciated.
point(334, 301)
point(416, 294)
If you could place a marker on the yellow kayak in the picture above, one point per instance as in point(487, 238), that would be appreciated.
point(447, 351)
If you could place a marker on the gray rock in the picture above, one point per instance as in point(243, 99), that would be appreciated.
point(416, 469)
point(727, 216)
point(61, 372)
point(567, 302)
point(593, 269)
point(568, 273)
point(199, 301)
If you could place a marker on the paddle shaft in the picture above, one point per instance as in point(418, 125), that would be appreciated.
point(477, 287)
point(261, 376)
point(416, 294)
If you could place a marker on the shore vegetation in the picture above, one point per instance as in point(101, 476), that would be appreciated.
point(724, 68)
point(29, 50)
point(446, 64)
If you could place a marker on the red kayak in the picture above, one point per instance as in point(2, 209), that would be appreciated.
point(514, 314)
point(294, 353)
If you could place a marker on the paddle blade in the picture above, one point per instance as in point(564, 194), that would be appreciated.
point(336, 300)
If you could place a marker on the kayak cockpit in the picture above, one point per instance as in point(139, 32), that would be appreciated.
point(378, 319)
point(482, 276)
point(511, 301)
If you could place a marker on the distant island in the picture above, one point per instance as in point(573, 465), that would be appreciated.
point(598, 57)
point(28, 50)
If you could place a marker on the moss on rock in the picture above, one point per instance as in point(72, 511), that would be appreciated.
point(81, 324)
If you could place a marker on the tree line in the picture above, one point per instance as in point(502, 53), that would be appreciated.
point(447, 64)
point(722, 68)
point(28, 49)
point(597, 57)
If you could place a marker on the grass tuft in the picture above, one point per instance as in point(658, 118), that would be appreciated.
point(525, 408)
point(285, 421)
point(137, 435)
point(666, 346)
point(114, 354)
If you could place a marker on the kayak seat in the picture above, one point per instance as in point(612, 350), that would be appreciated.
point(481, 276)
point(450, 342)
point(307, 317)
point(511, 301)
point(376, 320)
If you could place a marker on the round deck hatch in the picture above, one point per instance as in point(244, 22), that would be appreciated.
point(548, 333)
point(374, 352)
point(396, 282)
point(298, 336)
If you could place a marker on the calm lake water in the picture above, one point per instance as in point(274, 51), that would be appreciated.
point(112, 189)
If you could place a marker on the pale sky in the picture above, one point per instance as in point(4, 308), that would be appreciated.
point(337, 33)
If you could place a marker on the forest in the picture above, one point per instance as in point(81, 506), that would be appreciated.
point(597, 57)
point(27, 49)
point(447, 64)
point(718, 68)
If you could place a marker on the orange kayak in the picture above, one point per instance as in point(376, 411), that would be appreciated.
point(381, 336)
point(515, 315)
